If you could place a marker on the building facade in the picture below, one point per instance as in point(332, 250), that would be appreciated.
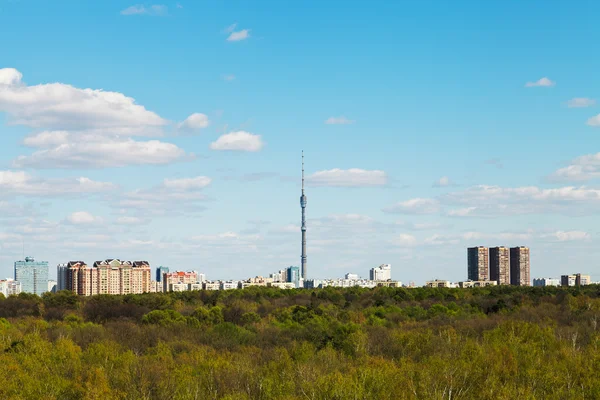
point(478, 264)
point(293, 276)
point(541, 282)
point(176, 277)
point(61, 276)
point(160, 271)
point(33, 275)
point(520, 268)
point(381, 273)
point(499, 259)
point(9, 287)
point(111, 276)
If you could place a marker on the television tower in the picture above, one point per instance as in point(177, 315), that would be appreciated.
point(303, 205)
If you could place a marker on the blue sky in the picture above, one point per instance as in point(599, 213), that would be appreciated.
point(427, 127)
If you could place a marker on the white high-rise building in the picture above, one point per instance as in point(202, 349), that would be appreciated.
point(381, 273)
point(540, 282)
point(9, 287)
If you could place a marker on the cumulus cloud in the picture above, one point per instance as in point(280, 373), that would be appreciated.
point(198, 182)
point(236, 36)
point(462, 212)
point(58, 106)
point(185, 193)
point(138, 9)
point(543, 82)
point(579, 102)
point(414, 206)
point(69, 150)
point(353, 177)
point(339, 121)
point(83, 218)
point(582, 168)
point(194, 122)
point(22, 183)
point(502, 201)
point(238, 141)
point(594, 121)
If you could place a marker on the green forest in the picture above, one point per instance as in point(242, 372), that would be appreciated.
point(263, 343)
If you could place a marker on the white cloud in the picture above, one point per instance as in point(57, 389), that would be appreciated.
point(594, 121)
point(415, 206)
point(238, 141)
point(83, 218)
point(229, 77)
point(128, 220)
point(405, 240)
point(545, 82)
point(21, 183)
point(59, 106)
point(582, 168)
point(500, 201)
point(230, 28)
point(569, 236)
point(578, 102)
point(186, 193)
point(198, 182)
point(353, 177)
point(444, 181)
point(138, 9)
point(62, 149)
point(339, 121)
point(194, 122)
point(462, 212)
point(239, 35)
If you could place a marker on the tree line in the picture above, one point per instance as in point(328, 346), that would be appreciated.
point(263, 343)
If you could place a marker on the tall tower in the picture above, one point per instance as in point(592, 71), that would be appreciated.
point(303, 205)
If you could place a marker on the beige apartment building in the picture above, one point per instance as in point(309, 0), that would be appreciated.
point(110, 276)
point(478, 263)
point(520, 266)
point(500, 265)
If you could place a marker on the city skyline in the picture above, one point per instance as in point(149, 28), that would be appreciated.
point(174, 137)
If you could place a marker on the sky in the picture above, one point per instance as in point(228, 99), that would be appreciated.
point(172, 132)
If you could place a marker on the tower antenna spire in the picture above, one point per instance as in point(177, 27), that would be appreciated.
point(302, 171)
point(303, 228)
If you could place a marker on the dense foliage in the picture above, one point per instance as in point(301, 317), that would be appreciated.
point(261, 343)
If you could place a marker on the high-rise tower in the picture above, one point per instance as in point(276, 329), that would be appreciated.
point(303, 205)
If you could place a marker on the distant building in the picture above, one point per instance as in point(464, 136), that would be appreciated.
point(520, 268)
point(175, 277)
point(478, 264)
point(583, 280)
point(568, 280)
point(541, 282)
point(33, 275)
point(159, 273)
point(575, 280)
point(293, 276)
point(351, 276)
point(469, 284)
point(499, 259)
point(381, 273)
point(52, 286)
point(440, 284)
point(61, 276)
point(111, 276)
point(211, 285)
point(282, 285)
point(9, 287)
point(229, 285)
